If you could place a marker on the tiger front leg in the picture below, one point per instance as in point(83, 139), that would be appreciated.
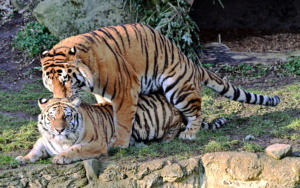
point(38, 152)
point(81, 152)
point(124, 112)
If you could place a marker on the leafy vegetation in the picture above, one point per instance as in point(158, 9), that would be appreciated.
point(171, 18)
point(292, 65)
point(33, 38)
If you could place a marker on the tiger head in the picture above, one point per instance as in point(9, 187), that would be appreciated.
point(64, 64)
point(60, 119)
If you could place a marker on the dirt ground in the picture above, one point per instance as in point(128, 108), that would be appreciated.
point(254, 40)
point(15, 68)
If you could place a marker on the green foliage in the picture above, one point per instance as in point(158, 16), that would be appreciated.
point(252, 147)
point(33, 38)
point(292, 65)
point(171, 18)
point(7, 162)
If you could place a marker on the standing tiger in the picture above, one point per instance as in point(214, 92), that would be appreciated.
point(123, 61)
point(73, 130)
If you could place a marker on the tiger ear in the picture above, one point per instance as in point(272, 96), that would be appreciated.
point(43, 53)
point(76, 102)
point(42, 103)
point(73, 51)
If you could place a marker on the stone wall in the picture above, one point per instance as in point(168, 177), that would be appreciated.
point(221, 169)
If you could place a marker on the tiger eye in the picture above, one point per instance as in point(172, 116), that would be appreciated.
point(59, 71)
point(69, 70)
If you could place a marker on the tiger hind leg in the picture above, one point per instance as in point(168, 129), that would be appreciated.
point(172, 132)
point(191, 110)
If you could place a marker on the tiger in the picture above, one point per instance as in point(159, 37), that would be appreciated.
point(118, 63)
point(73, 130)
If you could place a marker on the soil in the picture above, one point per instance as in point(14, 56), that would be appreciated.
point(254, 40)
point(16, 69)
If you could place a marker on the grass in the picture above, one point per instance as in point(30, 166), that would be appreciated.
point(24, 101)
point(244, 119)
point(17, 135)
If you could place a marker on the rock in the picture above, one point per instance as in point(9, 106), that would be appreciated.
point(220, 169)
point(172, 173)
point(22, 5)
point(92, 168)
point(65, 18)
point(279, 151)
point(49, 175)
point(243, 169)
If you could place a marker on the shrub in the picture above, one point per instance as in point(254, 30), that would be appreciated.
point(171, 18)
point(33, 38)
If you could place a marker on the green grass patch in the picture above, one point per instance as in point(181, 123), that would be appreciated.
point(16, 134)
point(7, 162)
point(25, 100)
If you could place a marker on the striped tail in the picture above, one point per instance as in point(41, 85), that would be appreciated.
point(232, 92)
point(216, 124)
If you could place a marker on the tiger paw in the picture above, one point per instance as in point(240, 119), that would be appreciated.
point(22, 159)
point(61, 159)
point(187, 135)
point(104, 103)
point(118, 143)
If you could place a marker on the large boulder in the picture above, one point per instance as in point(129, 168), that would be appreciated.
point(247, 170)
point(65, 18)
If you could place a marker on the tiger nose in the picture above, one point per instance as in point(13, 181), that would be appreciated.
point(59, 130)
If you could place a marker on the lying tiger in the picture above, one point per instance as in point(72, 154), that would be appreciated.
point(121, 62)
point(73, 130)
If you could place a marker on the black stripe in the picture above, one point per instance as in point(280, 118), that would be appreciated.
point(120, 36)
point(182, 98)
point(114, 93)
point(104, 88)
point(95, 36)
point(176, 81)
point(225, 90)
point(107, 33)
point(89, 38)
point(261, 98)
point(248, 96)
point(190, 102)
point(147, 65)
point(128, 39)
point(236, 93)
